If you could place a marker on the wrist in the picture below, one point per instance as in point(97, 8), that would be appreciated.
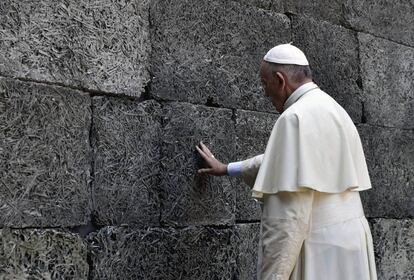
point(225, 171)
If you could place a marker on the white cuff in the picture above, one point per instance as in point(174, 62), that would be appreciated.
point(234, 168)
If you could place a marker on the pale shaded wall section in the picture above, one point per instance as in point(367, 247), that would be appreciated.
point(102, 103)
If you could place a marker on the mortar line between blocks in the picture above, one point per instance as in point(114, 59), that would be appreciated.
point(91, 92)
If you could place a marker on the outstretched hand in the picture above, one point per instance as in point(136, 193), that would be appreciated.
point(214, 166)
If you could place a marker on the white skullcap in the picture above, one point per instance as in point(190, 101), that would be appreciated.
point(286, 54)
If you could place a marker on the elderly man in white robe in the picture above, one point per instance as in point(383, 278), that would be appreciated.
point(308, 180)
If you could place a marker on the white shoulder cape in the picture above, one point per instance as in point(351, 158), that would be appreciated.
point(313, 145)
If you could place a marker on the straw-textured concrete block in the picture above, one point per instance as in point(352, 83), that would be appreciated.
point(42, 254)
point(247, 238)
point(392, 20)
point(126, 160)
point(388, 81)
point(394, 248)
point(329, 10)
point(252, 133)
point(334, 62)
point(209, 52)
point(273, 5)
point(390, 158)
point(188, 198)
point(99, 45)
point(44, 155)
point(163, 253)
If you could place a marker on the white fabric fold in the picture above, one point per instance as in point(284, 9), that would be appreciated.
point(315, 236)
point(249, 169)
point(313, 145)
point(285, 225)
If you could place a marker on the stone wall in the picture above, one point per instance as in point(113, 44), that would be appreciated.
point(102, 103)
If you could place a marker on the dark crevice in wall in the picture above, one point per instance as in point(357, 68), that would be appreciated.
point(380, 37)
point(92, 160)
point(363, 116)
point(359, 81)
point(161, 153)
point(146, 94)
point(220, 226)
point(89, 261)
point(85, 230)
point(35, 227)
point(91, 226)
point(234, 116)
point(241, 222)
point(91, 92)
point(291, 17)
point(167, 101)
point(211, 102)
point(181, 227)
point(388, 127)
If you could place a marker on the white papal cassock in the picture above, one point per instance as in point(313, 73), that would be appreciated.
point(313, 226)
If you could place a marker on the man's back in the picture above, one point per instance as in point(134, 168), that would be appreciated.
point(321, 150)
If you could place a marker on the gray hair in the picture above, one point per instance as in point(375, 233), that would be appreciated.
point(296, 73)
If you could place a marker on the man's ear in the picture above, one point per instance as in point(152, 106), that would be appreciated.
point(281, 79)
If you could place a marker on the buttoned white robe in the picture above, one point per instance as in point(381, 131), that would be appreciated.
point(313, 226)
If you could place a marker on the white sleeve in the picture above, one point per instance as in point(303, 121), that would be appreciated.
point(285, 224)
point(250, 168)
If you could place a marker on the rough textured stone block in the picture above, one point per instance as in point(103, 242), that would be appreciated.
point(334, 62)
point(126, 161)
point(188, 198)
point(273, 5)
point(247, 238)
point(393, 20)
point(390, 158)
point(209, 52)
point(388, 81)
point(100, 45)
point(329, 10)
point(44, 155)
point(394, 248)
point(42, 254)
point(252, 133)
point(164, 253)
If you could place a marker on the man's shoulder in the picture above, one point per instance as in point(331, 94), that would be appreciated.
point(317, 102)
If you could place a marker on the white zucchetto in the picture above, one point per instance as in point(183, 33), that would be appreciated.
point(286, 54)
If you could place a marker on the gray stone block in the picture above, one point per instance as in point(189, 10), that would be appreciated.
point(209, 52)
point(392, 20)
point(247, 238)
point(186, 197)
point(252, 133)
point(328, 10)
point(126, 161)
point(388, 82)
point(44, 155)
point(394, 248)
point(390, 159)
point(334, 62)
point(272, 5)
point(42, 254)
point(99, 45)
point(163, 253)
